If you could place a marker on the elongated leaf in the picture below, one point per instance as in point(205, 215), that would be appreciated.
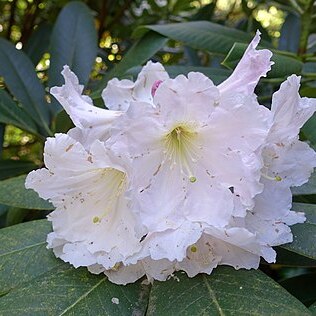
point(73, 43)
point(202, 35)
point(13, 168)
point(312, 308)
point(40, 284)
point(140, 52)
point(309, 129)
point(11, 113)
point(298, 286)
point(304, 234)
point(306, 189)
point(20, 77)
point(217, 75)
point(225, 292)
point(13, 193)
point(38, 43)
point(23, 254)
point(2, 128)
point(290, 33)
point(292, 259)
point(284, 65)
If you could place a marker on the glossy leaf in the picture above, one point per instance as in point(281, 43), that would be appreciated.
point(290, 33)
point(297, 287)
point(304, 234)
point(307, 188)
point(202, 35)
point(13, 168)
point(11, 113)
point(225, 292)
point(40, 284)
point(312, 308)
point(73, 43)
point(20, 78)
point(284, 65)
point(291, 259)
point(13, 193)
point(38, 43)
point(139, 53)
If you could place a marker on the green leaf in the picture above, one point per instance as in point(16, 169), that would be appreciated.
point(140, 52)
point(13, 193)
point(309, 128)
point(308, 188)
point(13, 168)
point(291, 259)
point(73, 43)
point(284, 65)
point(304, 242)
point(38, 43)
point(11, 113)
point(20, 78)
point(217, 75)
point(23, 254)
point(297, 287)
point(202, 35)
point(312, 309)
point(40, 284)
point(225, 292)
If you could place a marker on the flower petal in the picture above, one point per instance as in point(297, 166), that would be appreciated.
point(118, 94)
point(253, 65)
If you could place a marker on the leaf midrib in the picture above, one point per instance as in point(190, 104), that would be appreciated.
point(21, 249)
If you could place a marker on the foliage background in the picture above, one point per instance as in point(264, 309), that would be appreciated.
point(100, 40)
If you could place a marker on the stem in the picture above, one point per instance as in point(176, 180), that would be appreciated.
point(306, 20)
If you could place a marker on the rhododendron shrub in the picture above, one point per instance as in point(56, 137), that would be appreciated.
point(177, 174)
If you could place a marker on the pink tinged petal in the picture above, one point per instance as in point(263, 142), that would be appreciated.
point(80, 107)
point(253, 65)
point(289, 110)
point(118, 94)
point(155, 87)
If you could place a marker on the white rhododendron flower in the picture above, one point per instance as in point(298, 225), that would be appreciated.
point(177, 174)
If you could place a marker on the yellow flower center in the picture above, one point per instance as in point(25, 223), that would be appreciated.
point(181, 148)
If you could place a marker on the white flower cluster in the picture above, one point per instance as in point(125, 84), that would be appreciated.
point(178, 174)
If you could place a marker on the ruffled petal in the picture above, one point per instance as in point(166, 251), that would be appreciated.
point(118, 94)
point(253, 65)
point(80, 107)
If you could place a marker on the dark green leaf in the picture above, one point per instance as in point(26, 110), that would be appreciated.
point(13, 193)
point(202, 35)
point(15, 216)
point(73, 43)
point(38, 43)
point(140, 52)
point(284, 65)
point(2, 128)
point(312, 309)
point(20, 77)
point(23, 254)
point(13, 168)
point(307, 188)
point(225, 292)
point(217, 75)
point(292, 259)
point(309, 129)
point(11, 113)
point(304, 242)
point(298, 286)
point(290, 33)
point(40, 284)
